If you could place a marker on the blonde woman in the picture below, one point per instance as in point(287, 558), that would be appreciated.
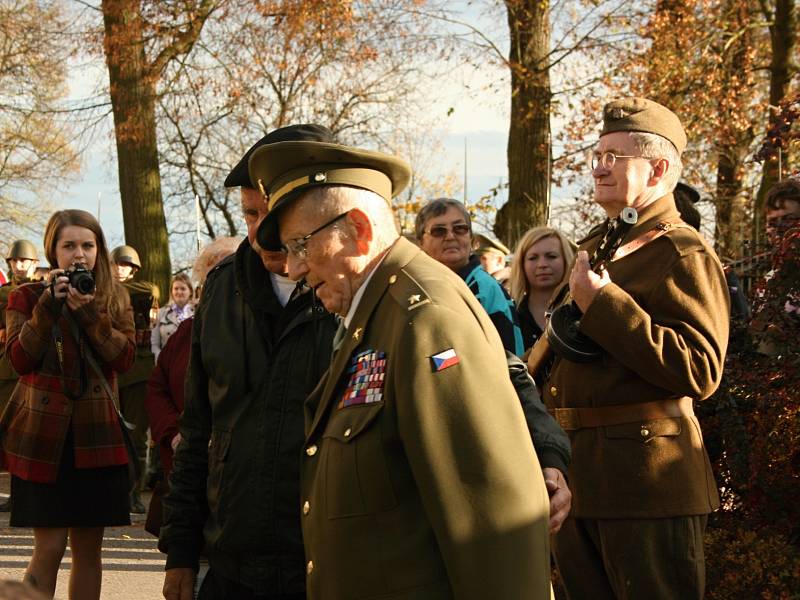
point(542, 262)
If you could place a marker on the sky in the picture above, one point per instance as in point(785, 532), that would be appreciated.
point(467, 114)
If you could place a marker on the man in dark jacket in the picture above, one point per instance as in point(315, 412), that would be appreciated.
point(259, 346)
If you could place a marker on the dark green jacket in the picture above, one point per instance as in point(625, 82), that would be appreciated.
point(235, 483)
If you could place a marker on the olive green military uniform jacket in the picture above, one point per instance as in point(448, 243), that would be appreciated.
point(663, 326)
point(420, 483)
point(144, 297)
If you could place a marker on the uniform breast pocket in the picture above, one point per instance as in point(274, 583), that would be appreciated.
point(356, 478)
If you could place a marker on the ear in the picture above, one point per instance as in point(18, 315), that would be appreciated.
point(659, 171)
point(363, 228)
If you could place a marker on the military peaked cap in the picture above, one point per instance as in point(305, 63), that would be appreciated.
point(239, 177)
point(646, 116)
point(483, 243)
point(283, 171)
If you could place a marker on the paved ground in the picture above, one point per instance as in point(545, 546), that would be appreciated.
point(133, 569)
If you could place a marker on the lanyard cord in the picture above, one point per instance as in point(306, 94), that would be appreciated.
point(58, 339)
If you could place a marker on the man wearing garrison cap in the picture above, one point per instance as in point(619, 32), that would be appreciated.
point(418, 476)
point(259, 346)
point(640, 476)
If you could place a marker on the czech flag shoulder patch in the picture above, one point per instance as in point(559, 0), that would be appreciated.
point(446, 358)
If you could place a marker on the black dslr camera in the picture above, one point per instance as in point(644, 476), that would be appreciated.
point(81, 278)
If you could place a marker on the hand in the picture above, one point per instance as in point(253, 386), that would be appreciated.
point(75, 299)
point(560, 497)
point(179, 584)
point(175, 441)
point(585, 283)
point(59, 284)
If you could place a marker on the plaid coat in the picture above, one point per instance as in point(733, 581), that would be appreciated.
point(34, 426)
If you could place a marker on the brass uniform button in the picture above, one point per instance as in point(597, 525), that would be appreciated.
point(393, 278)
point(554, 390)
point(347, 432)
point(306, 507)
point(644, 432)
point(311, 450)
point(310, 567)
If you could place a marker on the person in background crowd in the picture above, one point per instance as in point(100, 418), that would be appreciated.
point(776, 324)
point(22, 261)
point(260, 344)
point(418, 475)
point(180, 307)
point(444, 231)
point(541, 264)
point(686, 197)
point(144, 297)
point(640, 475)
point(165, 389)
point(61, 437)
point(492, 254)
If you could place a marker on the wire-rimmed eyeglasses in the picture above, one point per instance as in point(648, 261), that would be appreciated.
point(297, 247)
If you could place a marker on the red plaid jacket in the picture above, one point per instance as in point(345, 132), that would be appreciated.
point(34, 426)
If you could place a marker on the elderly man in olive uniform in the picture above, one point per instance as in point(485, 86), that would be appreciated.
point(419, 479)
point(640, 476)
point(133, 383)
point(22, 260)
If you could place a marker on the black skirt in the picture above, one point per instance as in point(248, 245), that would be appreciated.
point(78, 498)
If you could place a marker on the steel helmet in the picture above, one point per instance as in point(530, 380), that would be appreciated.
point(23, 249)
point(126, 254)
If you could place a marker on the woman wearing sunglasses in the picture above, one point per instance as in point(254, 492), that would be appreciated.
point(444, 231)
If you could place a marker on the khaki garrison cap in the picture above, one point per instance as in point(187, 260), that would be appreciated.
point(483, 243)
point(646, 116)
point(284, 170)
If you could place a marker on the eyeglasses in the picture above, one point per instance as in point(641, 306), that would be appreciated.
point(608, 159)
point(297, 247)
point(441, 231)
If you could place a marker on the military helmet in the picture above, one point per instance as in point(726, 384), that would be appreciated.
point(126, 254)
point(23, 249)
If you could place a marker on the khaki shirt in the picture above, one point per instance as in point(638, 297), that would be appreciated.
point(424, 483)
point(663, 326)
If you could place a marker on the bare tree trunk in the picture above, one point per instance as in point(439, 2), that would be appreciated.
point(132, 87)
point(529, 155)
point(783, 38)
point(732, 150)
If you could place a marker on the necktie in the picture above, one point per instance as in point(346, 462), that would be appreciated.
point(338, 338)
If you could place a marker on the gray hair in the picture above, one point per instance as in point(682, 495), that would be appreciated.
point(655, 146)
point(333, 200)
point(437, 207)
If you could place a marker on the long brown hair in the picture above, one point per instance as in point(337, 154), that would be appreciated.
point(109, 291)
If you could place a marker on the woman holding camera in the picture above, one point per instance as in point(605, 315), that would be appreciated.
point(60, 435)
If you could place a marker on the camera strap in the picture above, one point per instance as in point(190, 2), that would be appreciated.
point(86, 354)
point(58, 339)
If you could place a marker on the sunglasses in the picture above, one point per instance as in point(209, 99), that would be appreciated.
point(440, 231)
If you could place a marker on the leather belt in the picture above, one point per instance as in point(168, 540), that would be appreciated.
point(572, 419)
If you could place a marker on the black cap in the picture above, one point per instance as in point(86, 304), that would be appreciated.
point(239, 176)
point(690, 192)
